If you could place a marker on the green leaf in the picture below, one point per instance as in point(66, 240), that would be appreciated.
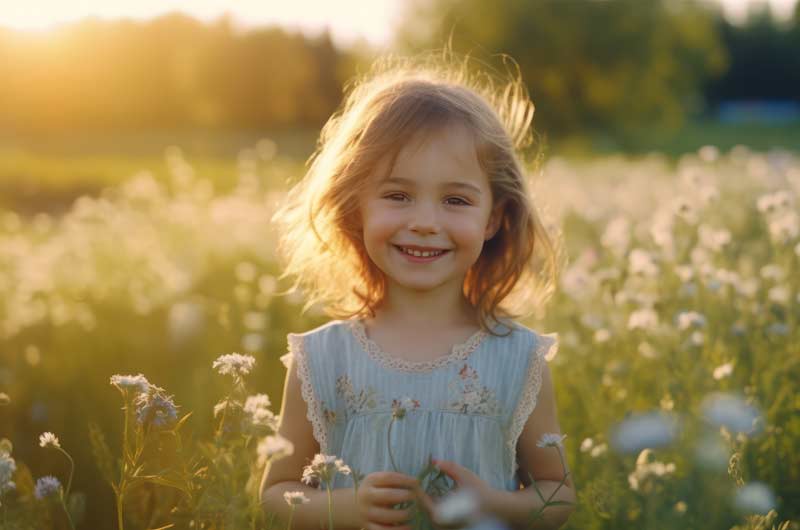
point(102, 453)
point(181, 421)
point(559, 503)
point(76, 506)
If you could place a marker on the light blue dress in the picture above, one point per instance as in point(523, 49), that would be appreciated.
point(469, 406)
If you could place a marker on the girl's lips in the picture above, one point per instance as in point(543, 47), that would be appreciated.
point(420, 259)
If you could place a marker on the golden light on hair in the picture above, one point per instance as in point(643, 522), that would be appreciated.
point(383, 110)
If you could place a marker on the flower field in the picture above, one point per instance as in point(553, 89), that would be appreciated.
point(141, 334)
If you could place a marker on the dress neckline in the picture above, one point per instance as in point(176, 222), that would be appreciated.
point(458, 352)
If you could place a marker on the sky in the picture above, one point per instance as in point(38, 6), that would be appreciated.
point(348, 20)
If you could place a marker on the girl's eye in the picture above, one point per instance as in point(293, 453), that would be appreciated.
point(395, 196)
point(458, 201)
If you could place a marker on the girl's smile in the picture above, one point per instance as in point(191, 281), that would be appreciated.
point(416, 254)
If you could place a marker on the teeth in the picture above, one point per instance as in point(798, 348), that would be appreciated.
point(422, 253)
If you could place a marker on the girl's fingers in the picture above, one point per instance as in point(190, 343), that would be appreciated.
point(377, 526)
point(390, 478)
point(391, 496)
point(425, 499)
point(377, 514)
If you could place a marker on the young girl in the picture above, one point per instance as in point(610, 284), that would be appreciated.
point(414, 226)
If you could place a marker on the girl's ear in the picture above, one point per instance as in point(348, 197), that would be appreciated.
point(494, 221)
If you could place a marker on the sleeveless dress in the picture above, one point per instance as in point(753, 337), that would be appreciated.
point(469, 406)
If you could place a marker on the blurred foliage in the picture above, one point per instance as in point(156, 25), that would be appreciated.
point(166, 72)
point(631, 71)
point(629, 67)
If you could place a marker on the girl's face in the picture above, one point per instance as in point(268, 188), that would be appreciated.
point(424, 224)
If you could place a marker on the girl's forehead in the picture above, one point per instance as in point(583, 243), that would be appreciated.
point(446, 151)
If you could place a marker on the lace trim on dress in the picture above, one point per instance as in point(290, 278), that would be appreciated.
point(298, 351)
point(458, 352)
point(546, 347)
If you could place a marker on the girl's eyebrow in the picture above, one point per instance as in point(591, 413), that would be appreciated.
point(452, 184)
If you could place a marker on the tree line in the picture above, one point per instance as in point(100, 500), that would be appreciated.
point(621, 66)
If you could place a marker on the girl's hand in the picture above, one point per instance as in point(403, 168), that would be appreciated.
point(378, 493)
point(464, 478)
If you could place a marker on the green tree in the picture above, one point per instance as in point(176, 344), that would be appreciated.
point(624, 67)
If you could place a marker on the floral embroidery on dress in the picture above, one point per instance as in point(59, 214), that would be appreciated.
point(356, 402)
point(403, 405)
point(328, 414)
point(471, 397)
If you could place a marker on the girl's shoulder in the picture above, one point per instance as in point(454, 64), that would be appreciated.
point(334, 330)
point(508, 331)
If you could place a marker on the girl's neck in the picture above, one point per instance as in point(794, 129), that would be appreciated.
point(411, 310)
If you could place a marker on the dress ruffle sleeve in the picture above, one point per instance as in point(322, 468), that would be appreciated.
point(545, 347)
point(298, 352)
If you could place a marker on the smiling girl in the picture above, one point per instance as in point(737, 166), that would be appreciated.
point(415, 228)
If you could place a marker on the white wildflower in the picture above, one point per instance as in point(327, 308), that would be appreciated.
point(642, 262)
point(712, 238)
point(648, 467)
point(684, 272)
point(647, 350)
point(48, 439)
point(784, 227)
point(586, 444)
point(138, 383)
point(551, 440)
point(708, 153)
point(234, 364)
point(602, 335)
point(772, 272)
point(256, 408)
point(685, 210)
point(687, 319)
point(697, 338)
point(598, 450)
point(643, 319)
point(293, 498)
point(273, 447)
point(617, 235)
point(680, 507)
point(323, 468)
point(457, 508)
point(779, 294)
point(723, 370)
point(708, 195)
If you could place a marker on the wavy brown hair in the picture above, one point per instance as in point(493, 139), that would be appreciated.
point(384, 109)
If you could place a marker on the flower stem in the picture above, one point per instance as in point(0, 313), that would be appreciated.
point(120, 525)
point(389, 444)
point(291, 513)
point(330, 506)
point(71, 470)
point(69, 517)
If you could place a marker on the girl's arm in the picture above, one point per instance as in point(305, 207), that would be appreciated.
point(283, 475)
point(545, 466)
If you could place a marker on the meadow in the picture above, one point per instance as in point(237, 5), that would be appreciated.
point(675, 377)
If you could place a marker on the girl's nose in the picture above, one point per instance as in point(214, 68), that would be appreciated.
point(424, 220)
